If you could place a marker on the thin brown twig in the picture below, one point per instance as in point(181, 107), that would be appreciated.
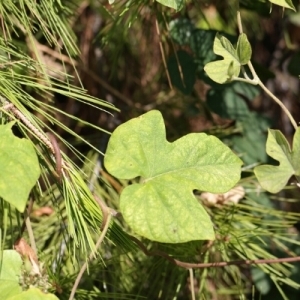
point(47, 139)
point(18, 114)
point(163, 55)
point(105, 210)
point(27, 224)
point(187, 265)
point(5, 39)
point(29, 227)
point(90, 73)
point(57, 153)
point(176, 55)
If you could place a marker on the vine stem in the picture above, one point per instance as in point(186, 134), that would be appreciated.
point(105, 211)
point(267, 91)
point(256, 80)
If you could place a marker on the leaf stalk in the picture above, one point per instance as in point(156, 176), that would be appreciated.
point(256, 81)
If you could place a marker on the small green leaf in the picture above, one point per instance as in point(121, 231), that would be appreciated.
point(10, 272)
point(34, 294)
point(162, 206)
point(274, 178)
point(284, 3)
point(218, 70)
point(243, 49)
point(19, 168)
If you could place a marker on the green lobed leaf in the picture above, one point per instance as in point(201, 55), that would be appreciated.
point(243, 49)
point(10, 272)
point(162, 207)
point(222, 71)
point(19, 167)
point(284, 3)
point(274, 178)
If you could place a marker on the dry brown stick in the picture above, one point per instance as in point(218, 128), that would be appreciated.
point(27, 224)
point(163, 55)
point(115, 184)
point(48, 139)
point(105, 211)
point(17, 113)
point(92, 74)
point(57, 154)
point(187, 265)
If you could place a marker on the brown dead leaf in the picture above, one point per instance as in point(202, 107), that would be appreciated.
point(231, 197)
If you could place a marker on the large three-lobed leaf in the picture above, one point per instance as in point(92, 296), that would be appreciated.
point(162, 207)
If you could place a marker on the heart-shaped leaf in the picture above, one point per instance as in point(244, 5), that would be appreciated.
point(274, 178)
point(225, 70)
point(162, 207)
point(19, 168)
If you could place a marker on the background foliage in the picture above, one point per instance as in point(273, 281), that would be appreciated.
point(59, 58)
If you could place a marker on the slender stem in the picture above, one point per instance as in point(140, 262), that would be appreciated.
point(259, 82)
point(163, 55)
point(57, 153)
point(239, 22)
point(283, 107)
point(221, 264)
point(247, 80)
point(84, 266)
point(27, 224)
point(191, 271)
